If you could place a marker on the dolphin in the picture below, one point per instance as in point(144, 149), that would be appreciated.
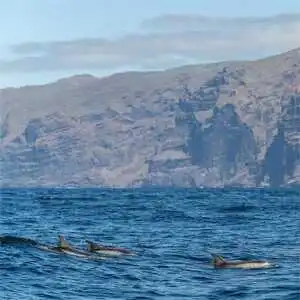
point(13, 240)
point(64, 247)
point(107, 250)
point(220, 262)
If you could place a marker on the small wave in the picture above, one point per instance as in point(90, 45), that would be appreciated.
point(238, 208)
point(171, 215)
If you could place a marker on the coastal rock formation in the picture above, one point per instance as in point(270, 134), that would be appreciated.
point(222, 124)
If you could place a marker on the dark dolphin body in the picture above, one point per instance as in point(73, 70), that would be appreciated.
point(13, 240)
point(220, 262)
point(62, 246)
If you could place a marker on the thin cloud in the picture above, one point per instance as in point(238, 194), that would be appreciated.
point(165, 41)
point(193, 22)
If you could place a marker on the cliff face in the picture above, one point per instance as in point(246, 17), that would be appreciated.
point(232, 123)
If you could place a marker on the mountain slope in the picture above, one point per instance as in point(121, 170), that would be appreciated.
point(229, 123)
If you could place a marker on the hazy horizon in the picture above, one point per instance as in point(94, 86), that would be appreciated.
point(50, 40)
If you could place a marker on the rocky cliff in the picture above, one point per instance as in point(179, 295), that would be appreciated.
point(223, 124)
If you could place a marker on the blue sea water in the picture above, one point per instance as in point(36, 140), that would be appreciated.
point(172, 231)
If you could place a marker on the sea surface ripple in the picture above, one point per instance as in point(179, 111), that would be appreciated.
point(173, 231)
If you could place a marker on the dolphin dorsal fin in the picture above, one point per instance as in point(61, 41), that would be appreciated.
point(91, 246)
point(62, 243)
point(217, 259)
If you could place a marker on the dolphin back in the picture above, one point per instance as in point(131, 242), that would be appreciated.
point(95, 247)
point(220, 262)
point(15, 240)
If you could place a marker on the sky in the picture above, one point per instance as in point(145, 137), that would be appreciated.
point(44, 40)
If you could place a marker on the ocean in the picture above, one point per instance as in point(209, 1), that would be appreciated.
point(172, 231)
